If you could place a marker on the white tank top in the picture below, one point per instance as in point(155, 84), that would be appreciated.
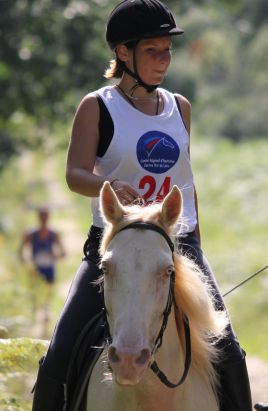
point(149, 152)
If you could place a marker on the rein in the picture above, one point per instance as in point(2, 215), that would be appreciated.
point(170, 301)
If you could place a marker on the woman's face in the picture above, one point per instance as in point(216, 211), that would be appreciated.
point(153, 58)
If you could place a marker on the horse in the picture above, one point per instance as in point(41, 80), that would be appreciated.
point(161, 320)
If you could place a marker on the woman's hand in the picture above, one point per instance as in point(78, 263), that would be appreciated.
point(126, 193)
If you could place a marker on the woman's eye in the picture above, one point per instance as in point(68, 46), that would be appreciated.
point(155, 52)
point(151, 50)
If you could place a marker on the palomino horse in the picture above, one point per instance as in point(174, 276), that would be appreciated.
point(139, 267)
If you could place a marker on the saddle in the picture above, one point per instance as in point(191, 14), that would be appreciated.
point(86, 352)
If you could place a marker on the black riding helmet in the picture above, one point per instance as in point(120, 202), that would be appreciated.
point(134, 20)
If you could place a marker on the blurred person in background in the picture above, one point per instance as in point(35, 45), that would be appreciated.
point(39, 249)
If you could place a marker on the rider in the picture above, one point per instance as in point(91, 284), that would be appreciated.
point(136, 135)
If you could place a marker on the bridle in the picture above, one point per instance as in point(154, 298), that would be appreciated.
point(170, 301)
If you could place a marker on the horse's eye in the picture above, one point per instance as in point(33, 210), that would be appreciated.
point(170, 271)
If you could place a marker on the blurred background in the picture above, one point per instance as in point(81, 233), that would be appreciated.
point(53, 52)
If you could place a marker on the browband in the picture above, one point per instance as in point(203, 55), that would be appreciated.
point(153, 227)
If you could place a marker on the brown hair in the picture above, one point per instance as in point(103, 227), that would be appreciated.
point(114, 71)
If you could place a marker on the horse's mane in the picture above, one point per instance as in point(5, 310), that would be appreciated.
point(193, 296)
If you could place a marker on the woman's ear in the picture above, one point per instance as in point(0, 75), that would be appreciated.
point(122, 52)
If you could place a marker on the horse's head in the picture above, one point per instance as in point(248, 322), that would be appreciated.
point(137, 265)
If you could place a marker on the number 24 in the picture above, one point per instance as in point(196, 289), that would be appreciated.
point(149, 183)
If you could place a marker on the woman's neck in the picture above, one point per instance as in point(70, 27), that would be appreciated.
point(132, 89)
point(139, 98)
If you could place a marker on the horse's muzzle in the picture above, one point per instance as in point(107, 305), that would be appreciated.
point(128, 366)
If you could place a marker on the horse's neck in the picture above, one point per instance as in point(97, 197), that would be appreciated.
point(194, 393)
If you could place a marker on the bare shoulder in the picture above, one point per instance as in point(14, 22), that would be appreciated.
point(184, 102)
point(86, 119)
point(85, 134)
point(186, 109)
point(88, 107)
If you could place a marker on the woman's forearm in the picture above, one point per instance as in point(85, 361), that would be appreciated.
point(83, 182)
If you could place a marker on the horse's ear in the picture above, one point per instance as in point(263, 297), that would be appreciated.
point(110, 206)
point(171, 207)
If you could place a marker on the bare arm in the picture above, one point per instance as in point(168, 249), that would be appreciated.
point(82, 155)
point(186, 114)
point(82, 150)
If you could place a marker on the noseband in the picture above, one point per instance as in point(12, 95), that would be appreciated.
point(170, 301)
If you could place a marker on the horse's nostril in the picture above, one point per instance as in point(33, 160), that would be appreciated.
point(143, 357)
point(112, 355)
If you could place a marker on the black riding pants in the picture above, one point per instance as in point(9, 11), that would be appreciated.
point(84, 301)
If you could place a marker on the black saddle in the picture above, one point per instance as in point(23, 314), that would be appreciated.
point(86, 352)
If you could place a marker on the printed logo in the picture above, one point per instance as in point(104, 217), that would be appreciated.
point(157, 152)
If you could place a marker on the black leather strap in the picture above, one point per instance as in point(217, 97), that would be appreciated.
point(187, 361)
point(153, 227)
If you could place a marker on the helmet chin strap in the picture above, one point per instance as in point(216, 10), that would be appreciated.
point(139, 82)
point(150, 88)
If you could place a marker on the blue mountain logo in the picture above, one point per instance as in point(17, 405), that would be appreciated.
point(157, 152)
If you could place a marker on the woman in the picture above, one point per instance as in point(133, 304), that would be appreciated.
point(136, 135)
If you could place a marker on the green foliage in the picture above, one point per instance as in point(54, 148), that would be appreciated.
point(54, 52)
point(7, 148)
point(14, 404)
point(20, 354)
point(18, 358)
point(48, 52)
